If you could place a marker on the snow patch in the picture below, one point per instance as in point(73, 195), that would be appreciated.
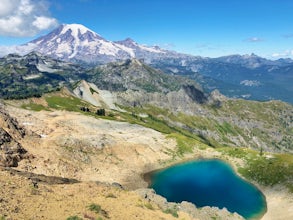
point(63, 48)
point(75, 28)
point(130, 51)
point(250, 83)
point(27, 123)
point(101, 98)
point(108, 48)
point(174, 70)
point(246, 96)
point(150, 49)
point(43, 135)
point(83, 91)
point(45, 68)
point(34, 76)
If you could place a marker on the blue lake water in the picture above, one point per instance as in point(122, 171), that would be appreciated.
point(209, 183)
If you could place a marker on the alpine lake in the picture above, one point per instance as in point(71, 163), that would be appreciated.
point(209, 183)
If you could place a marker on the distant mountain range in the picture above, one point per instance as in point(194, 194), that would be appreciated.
point(247, 77)
point(34, 74)
point(240, 76)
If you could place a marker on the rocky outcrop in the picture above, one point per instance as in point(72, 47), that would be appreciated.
point(195, 94)
point(204, 213)
point(11, 151)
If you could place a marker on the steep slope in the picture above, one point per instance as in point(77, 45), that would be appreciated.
point(97, 97)
point(133, 74)
point(134, 83)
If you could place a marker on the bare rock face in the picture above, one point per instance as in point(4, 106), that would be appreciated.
point(11, 151)
point(10, 124)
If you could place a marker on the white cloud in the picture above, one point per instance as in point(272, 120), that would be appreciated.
point(24, 18)
point(21, 50)
point(286, 53)
point(43, 23)
point(6, 7)
point(276, 55)
point(253, 39)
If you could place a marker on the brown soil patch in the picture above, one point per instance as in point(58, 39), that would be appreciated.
point(19, 199)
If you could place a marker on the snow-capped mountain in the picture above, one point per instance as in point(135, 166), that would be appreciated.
point(75, 42)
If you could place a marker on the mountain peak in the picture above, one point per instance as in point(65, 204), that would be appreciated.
point(69, 32)
point(249, 56)
point(128, 42)
point(75, 26)
point(69, 41)
point(76, 29)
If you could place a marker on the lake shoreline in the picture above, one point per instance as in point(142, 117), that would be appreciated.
point(279, 202)
point(212, 182)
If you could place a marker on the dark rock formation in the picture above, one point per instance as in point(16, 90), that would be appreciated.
point(11, 151)
point(195, 94)
point(41, 178)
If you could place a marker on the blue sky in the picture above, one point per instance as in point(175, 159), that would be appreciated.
point(200, 27)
